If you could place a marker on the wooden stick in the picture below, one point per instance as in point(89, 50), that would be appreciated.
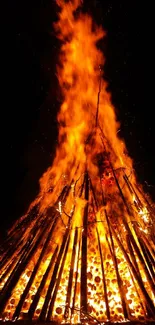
point(21, 265)
point(98, 99)
point(70, 281)
point(43, 313)
point(57, 280)
point(139, 296)
point(12, 247)
point(94, 196)
point(150, 249)
point(132, 255)
point(8, 269)
point(147, 298)
point(132, 190)
point(21, 242)
point(148, 260)
point(142, 261)
point(138, 252)
point(76, 277)
point(42, 284)
point(133, 260)
point(152, 209)
point(120, 190)
point(84, 251)
point(103, 278)
point(34, 272)
point(25, 222)
point(22, 249)
point(119, 280)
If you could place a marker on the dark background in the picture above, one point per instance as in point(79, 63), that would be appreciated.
point(30, 94)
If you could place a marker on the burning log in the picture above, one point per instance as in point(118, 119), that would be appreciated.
point(120, 284)
point(104, 280)
point(70, 281)
point(42, 285)
point(20, 266)
point(54, 275)
point(137, 276)
point(76, 276)
point(23, 297)
point(85, 250)
point(15, 238)
point(50, 309)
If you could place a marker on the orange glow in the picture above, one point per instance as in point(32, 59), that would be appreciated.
point(92, 213)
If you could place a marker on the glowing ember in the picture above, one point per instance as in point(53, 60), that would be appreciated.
point(84, 252)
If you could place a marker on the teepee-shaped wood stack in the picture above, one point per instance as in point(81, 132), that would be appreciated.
point(85, 250)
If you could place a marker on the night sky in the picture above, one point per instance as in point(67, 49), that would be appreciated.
point(29, 53)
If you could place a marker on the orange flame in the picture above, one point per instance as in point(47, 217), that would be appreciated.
point(79, 75)
point(87, 129)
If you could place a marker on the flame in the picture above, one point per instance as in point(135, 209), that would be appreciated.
point(89, 180)
point(79, 74)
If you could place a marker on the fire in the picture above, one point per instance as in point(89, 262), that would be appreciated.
point(84, 252)
point(79, 75)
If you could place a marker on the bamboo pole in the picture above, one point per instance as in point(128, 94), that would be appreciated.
point(132, 255)
point(70, 281)
point(141, 255)
point(58, 279)
point(103, 278)
point(120, 190)
point(140, 300)
point(27, 245)
point(42, 285)
point(21, 251)
point(22, 243)
point(133, 239)
point(43, 313)
point(133, 260)
point(98, 98)
point(15, 246)
point(94, 196)
point(150, 249)
point(152, 209)
point(63, 195)
point(148, 260)
point(119, 280)
point(34, 272)
point(8, 269)
point(10, 250)
point(132, 190)
point(76, 277)
point(83, 288)
point(142, 261)
point(27, 219)
point(147, 298)
point(21, 265)
point(100, 250)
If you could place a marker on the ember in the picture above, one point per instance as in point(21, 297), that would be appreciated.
point(85, 250)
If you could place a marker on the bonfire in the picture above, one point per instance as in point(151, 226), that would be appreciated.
point(85, 250)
